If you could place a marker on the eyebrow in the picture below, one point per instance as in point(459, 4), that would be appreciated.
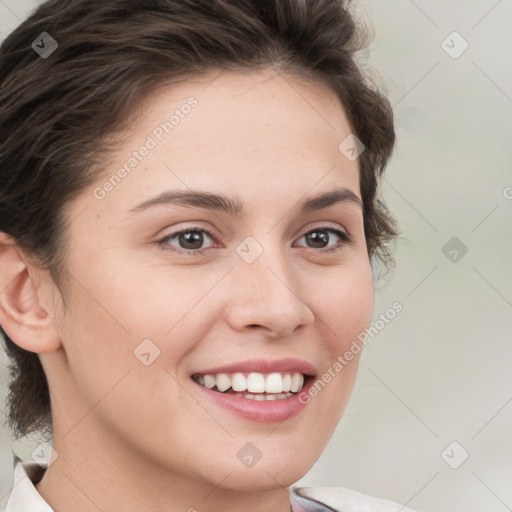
point(234, 206)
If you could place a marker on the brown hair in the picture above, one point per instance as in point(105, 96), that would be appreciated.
point(56, 113)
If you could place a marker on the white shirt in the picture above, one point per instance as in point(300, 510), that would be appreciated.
point(24, 497)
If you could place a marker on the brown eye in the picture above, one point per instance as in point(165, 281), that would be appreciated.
point(190, 239)
point(319, 238)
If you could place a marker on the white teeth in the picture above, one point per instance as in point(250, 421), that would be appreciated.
point(287, 382)
point(297, 382)
point(209, 381)
point(264, 397)
point(256, 383)
point(273, 383)
point(239, 382)
point(223, 382)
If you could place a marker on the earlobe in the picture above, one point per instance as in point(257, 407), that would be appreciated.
point(22, 316)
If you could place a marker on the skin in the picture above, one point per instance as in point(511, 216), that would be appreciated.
point(134, 437)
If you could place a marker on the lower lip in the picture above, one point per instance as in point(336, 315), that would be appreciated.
point(265, 411)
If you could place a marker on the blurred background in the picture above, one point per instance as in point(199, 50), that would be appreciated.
point(430, 417)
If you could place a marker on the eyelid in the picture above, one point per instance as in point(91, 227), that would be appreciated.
point(335, 227)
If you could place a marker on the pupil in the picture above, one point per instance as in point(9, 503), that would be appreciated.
point(193, 237)
point(315, 236)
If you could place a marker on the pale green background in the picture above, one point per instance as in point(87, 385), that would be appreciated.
point(441, 371)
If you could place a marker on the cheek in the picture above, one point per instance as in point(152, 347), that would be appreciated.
point(128, 322)
point(345, 305)
point(343, 310)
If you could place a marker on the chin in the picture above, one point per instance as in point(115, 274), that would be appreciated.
point(268, 477)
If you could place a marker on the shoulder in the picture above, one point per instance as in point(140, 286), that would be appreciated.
point(341, 499)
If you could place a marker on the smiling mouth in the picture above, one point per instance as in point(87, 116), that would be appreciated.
point(254, 385)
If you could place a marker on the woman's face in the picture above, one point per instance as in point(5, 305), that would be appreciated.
point(270, 289)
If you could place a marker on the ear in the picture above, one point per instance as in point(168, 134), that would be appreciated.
point(22, 316)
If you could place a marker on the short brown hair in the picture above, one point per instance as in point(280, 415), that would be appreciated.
point(56, 113)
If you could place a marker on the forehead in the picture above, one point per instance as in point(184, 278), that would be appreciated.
point(248, 92)
point(239, 133)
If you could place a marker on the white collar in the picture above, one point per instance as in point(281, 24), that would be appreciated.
point(340, 499)
point(24, 497)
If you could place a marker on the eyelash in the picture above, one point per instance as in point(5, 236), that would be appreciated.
point(345, 237)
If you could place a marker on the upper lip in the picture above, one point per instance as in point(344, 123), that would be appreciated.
point(288, 365)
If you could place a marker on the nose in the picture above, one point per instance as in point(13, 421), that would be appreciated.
point(267, 297)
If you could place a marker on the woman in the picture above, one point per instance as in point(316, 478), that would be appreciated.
point(189, 219)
